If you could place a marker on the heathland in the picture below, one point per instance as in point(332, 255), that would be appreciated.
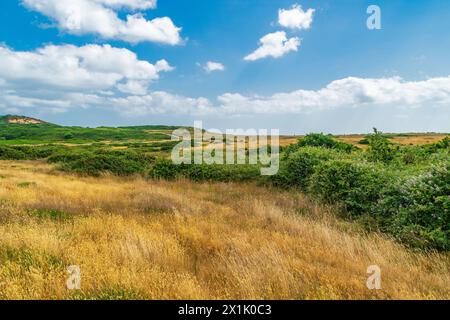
point(110, 201)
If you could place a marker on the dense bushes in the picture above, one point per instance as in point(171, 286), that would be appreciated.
point(401, 191)
point(165, 169)
point(380, 148)
point(26, 152)
point(417, 210)
point(297, 167)
point(355, 185)
point(325, 141)
point(122, 163)
point(7, 153)
point(45, 133)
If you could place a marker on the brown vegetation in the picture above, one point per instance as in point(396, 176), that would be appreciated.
point(137, 239)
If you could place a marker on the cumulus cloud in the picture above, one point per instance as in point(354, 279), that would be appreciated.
point(296, 18)
point(274, 45)
point(90, 67)
point(350, 92)
point(211, 66)
point(68, 70)
point(57, 78)
point(131, 4)
point(161, 102)
point(100, 17)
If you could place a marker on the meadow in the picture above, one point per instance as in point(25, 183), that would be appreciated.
point(110, 201)
point(140, 239)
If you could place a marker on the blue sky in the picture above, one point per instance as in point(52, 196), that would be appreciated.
point(341, 77)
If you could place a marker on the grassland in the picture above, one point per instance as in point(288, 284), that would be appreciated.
point(110, 201)
point(139, 239)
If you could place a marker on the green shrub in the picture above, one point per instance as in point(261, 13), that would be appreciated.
point(27, 152)
point(356, 185)
point(417, 210)
point(222, 173)
point(325, 141)
point(164, 169)
point(380, 148)
point(8, 153)
point(121, 163)
point(296, 168)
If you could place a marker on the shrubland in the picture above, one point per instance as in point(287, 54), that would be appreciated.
point(403, 191)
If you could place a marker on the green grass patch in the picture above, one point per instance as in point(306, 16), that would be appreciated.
point(50, 214)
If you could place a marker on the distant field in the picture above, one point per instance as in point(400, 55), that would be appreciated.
point(417, 139)
point(35, 133)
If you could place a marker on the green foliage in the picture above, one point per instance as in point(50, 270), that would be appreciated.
point(94, 163)
point(165, 169)
point(403, 191)
point(297, 167)
point(222, 173)
point(380, 148)
point(49, 214)
point(325, 141)
point(47, 133)
point(28, 259)
point(417, 210)
point(443, 145)
point(27, 152)
point(8, 153)
point(356, 185)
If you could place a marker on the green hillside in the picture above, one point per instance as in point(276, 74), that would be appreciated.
point(16, 130)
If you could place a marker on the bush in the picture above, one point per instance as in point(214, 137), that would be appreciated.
point(26, 152)
point(325, 141)
point(122, 163)
point(222, 173)
point(380, 148)
point(297, 168)
point(356, 185)
point(164, 169)
point(417, 210)
point(8, 153)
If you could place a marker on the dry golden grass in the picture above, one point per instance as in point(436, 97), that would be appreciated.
point(136, 239)
point(404, 140)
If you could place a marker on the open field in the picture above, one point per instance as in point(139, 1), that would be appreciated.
point(140, 227)
point(173, 240)
point(416, 139)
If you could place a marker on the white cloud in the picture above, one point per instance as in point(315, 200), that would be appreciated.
point(65, 71)
point(346, 93)
point(131, 4)
point(57, 78)
point(274, 45)
point(163, 65)
point(296, 18)
point(160, 102)
point(133, 87)
point(100, 17)
point(211, 66)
